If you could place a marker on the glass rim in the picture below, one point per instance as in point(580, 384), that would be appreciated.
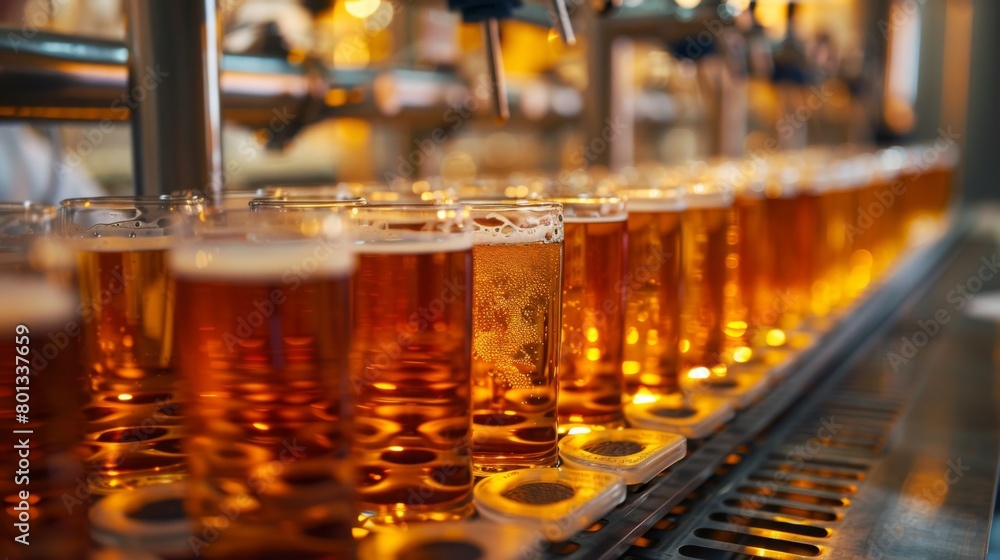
point(125, 201)
point(595, 208)
point(26, 206)
point(411, 206)
point(512, 204)
point(305, 203)
point(654, 198)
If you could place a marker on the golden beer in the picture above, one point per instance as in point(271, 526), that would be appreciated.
point(410, 362)
point(708, 254)
point(44, 516)
point(927, 176)
point(791, 226)
point(134, 424)
point(590, 375)
point(652, 288)
point(517, 289)
point(262, 331)
point(752, 302)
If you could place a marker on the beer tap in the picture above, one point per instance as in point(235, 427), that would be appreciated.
point(489, 12)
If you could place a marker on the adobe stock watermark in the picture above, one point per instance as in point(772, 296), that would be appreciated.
point(32, 23)
point(93, 137)
point(901, 13)
point(292, 278)
point(958, 297)
point(233, 507)
point(886, 197)
point(794, 461)
point(378, 360)
point(916, 509)
point(454, 118)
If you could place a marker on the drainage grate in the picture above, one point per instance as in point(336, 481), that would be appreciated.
point(787, 501)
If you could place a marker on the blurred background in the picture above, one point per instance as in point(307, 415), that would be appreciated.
point(394, 90)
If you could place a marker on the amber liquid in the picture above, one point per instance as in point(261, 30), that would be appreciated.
point(928, 195)
point(57, 501)
point(590, 375)
point(754, 294)
point(791, 226)
point(517, 292)
point(709, 273)
point(410, 368)
point(265, 365)
point(831, 262)
point(133, 423)
point(652, 303)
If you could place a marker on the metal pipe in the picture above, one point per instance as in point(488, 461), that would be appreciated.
point(174, 93)
point(494, 59)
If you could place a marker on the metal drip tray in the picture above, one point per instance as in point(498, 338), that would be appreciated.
point(863, 452)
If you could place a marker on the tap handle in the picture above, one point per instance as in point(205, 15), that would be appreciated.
point(494, 58)
point(559, 14)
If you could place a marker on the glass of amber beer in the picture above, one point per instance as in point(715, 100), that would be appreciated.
point(133, 420)
point(652, 289)
point(262, 330)
point(44, 516)
point(410, 361)
point(708, 254)
point(517, 289)
point(590, 375)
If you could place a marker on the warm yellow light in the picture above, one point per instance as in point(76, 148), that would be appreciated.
point(577, 430)
point(630, 367)
point(593, 354)
point(773, 16)
point(124, 397)
point(720, 370)
point(742, 355)
point(644, 396)
point(775, 337)
point(336, 97)
point(361, 8)
point(384, 386)
point(261, 426)
point(592, 334)
point(688, 3)
point(736, 328)
point(684, 346)
point(699, 373)
point(632, 336)
point(652, 337)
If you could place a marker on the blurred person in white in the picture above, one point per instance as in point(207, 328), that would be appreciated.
point(32, 161)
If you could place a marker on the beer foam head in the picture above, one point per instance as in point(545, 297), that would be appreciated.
point(409, 229)
point(33, 303)
point(517, 223)
point(654, 199)
point(708, 195)
point(245, 260)
point(592, 209)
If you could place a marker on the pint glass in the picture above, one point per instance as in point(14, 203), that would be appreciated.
point(262, 325)
point(133, 420)
point(410, 362)
point(517, 289)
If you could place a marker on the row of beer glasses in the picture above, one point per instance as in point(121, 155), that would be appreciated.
point(421, 346)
